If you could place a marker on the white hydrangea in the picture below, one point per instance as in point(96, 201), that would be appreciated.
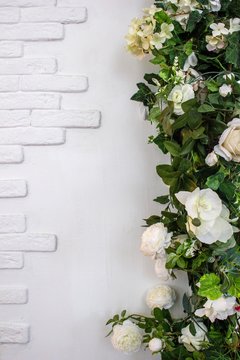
point(206, 207)
point(218, 309)
point(155, 239)
point(179, 95)
point(161, 296)
point(126, 337)
point(194, 342)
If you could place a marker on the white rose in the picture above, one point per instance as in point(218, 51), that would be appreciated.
point(155, 345)
point(160, 267)
point(225, 90)
point(179, 95)
point(161, 296)
point(218, 309)
point(229, 142)
point(194, 342)
point(126, 337)
point(206, 206)
point(211, 159)
point(155, 239)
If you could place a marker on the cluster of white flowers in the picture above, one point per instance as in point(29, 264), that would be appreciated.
point(194, 342)
point(126, 337)
point(218, 309)
point(142, 38)
point(184, 9)
point(208, 218)
point(218, 39)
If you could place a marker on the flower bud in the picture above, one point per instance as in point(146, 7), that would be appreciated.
point(211, 159)
point(155, 345)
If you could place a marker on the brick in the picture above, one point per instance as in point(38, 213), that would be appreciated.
point(28, 242)
point(9, 15)
point(32, 136)
point(66, 118)
point(14, 118)
point(8, 83)
point(13, 295)
point(27, 3)
point(52, 14)
point(10, 101)
point(32, 32)
point(69, 3)
point(14, 333)
point(28, 66)
point(11, 49)
point(12, 223)
point(13, 188)
point(59, 83)
point(11, 260)
point(11, 154)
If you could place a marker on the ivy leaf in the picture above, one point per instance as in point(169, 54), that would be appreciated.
point(206, 108)
point(214, 181)
point(162, 199)
point(210, 286)
point(192, 329)
point(232, 54)
point(154, 219)
point(235, 285)
point(186, 304)
point(194, 18)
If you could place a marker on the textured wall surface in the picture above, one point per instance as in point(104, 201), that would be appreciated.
point(72, 192)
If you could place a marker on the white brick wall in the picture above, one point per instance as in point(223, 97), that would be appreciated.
point(31, 113)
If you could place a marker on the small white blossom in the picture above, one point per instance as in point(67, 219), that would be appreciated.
point(219, 29)
point(211, 159)
point(225, 90)
point(161, 296)
point(215, 43)
point(126, 337)
point(190, 62)
point(194, 342)
point(155, 345)
point(215, 5)
point(234, 25)
point(218, 309)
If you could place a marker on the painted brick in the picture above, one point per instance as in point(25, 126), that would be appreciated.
point(28, 66)
point(9, 15)
point(52, 14)
point(13, 295)
point(32, 136)
point(12, 223)
point(32, 32)
point(66, 118)
point(60, 83)
point(8, 83)
point(14, 333)
point(69, 3)
point(13, 118)
point(11, 260)
point(13, 188)
point(28, 242)
point(11, 154)
point(10, 101)
point(27, 3)
point(10, 49)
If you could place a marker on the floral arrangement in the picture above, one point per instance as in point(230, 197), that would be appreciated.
point(193, 98)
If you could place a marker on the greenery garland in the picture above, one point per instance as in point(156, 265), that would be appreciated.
point(194, 101)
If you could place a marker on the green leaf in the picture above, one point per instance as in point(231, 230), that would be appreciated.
point(171, 261)
point(206, 108)
point(154, 219)
point(162, 199)
point(214, 181)
point(162, 17)
point(158, 314)
point(188, 146)
point(186, 304)
point(154, 114)
point(192, 329)
point(194, 119)
point(194, 18)
point(182, 263)
point(210, 286)
point(167, 174)
point(232, 54)
point(173, 147)
point(235, 285)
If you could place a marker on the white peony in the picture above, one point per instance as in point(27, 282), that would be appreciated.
point(218, 309)
point(126, 337)
point(225, 90)
point(161, 296)
point(229, 142)
point(194, 342)
point(160, 267)
point(234, 25)
point(211, 159)
point(155, 345)
point(155, 239)
point(206, 208)
point(179, 95)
